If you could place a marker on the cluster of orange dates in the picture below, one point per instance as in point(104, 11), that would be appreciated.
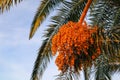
point(74, 42)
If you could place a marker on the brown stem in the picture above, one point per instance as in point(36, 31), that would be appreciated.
point(85, 11)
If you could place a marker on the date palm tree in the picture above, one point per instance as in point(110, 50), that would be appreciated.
point(103, 13)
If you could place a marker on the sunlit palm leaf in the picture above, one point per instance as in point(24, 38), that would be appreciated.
point(42, 12)
point(6, 4)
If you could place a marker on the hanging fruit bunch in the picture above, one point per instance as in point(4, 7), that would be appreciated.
point(75, 43)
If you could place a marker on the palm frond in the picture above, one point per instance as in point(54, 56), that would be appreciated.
point(102, 70)
point(114, 67)
point(70, 11)
point(105, 15)
point(45, 51)
point(115, 2)
point(6, 4)
point(44, 56)
point(66, 14)
point(117, 18)
point(111, 44)
point(86, 71)
point(68, 75)
point(42, 12)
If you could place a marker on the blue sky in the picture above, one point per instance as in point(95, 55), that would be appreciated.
point(17, 52)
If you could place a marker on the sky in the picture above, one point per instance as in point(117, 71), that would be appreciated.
point(17, 52)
